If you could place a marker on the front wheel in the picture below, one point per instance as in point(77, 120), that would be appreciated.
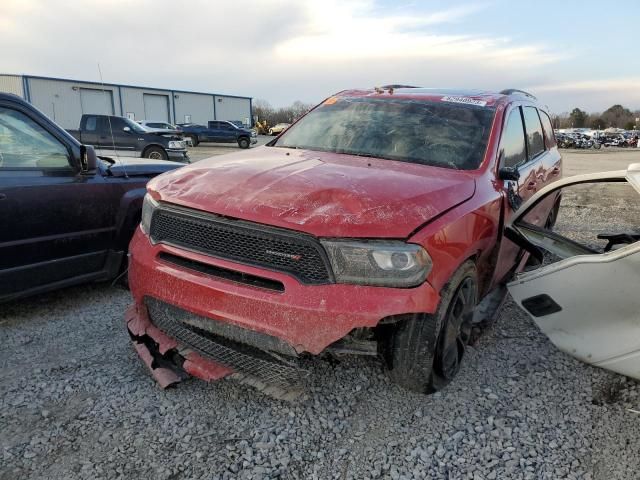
point(427, 350)
point(155, 153)
point(243, 142)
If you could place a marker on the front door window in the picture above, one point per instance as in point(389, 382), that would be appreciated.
point(25, 144)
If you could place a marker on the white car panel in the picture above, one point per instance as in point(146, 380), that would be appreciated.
point(591, 301)
point(599, 295)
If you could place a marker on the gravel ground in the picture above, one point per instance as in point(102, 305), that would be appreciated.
point(76, 402)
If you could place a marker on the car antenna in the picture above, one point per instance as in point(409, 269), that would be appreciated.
point(113, 141)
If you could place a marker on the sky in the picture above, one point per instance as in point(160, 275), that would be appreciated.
point(568, 53)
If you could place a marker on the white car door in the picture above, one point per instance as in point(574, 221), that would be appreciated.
point(588, 301)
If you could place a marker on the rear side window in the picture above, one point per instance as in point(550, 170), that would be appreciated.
point(549, 136)
point(535, 139)
point(513, 146)
point(90, 126)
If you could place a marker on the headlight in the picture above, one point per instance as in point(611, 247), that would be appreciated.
point(176, 144)
point(381, 263)
point(149, 206)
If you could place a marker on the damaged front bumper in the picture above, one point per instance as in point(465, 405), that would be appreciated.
point(171, 359)
point(195, 322)
point(168, 362)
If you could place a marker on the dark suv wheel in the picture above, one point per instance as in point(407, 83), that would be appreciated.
point(426, 351)
point(243, 142)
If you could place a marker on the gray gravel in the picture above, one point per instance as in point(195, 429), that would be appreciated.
point(75, 402)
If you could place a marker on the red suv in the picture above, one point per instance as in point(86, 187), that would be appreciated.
point(373, 225)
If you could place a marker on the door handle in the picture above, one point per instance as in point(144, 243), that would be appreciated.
point(531, 185)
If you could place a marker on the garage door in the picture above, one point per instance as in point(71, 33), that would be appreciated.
point(96, 101)
point(156, 107)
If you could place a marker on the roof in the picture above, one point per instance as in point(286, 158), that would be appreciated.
point(122, 85)
point(457, 95)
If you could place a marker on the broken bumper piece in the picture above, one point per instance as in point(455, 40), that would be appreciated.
point(173, 350)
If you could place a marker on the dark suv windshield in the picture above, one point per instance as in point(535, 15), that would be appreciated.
point(439, 133)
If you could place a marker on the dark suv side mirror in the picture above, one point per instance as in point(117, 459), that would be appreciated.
point(509, 173)
point(88, 159)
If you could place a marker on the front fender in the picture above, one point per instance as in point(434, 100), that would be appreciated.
point(128, 218)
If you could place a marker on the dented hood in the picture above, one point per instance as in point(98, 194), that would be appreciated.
point(324, 194)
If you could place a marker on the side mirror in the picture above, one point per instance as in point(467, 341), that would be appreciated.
point(127, 129)
point(88, 159)
point(509, 173)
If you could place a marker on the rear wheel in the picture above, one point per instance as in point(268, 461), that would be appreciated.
point(155, 153)
point(194, 140)
point(427, 351)
point(553, 216)
point(243, 142)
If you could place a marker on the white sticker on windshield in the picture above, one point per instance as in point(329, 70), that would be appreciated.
point(466, 100)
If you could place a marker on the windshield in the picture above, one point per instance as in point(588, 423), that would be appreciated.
point(134, 126)
point(435, 133)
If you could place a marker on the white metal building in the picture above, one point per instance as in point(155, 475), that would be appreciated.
point(66, 100)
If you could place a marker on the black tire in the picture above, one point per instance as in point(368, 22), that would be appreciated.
point(243, 142)
point(553, 216)
point(194, 140)
point(155, 153)
point(271, 132)
point(426, 351)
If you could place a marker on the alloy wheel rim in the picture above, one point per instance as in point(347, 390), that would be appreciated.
point(457, 330)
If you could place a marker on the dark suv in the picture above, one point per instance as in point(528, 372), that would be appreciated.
point(66, 216)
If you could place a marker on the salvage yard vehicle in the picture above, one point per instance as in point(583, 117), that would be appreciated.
point(66, 215)
point(278, 128)
point(219, 132)
point(373, 225)
point(121, 137)
point(586, 300)
point(159, 126)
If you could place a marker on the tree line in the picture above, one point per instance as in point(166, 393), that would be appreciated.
point(264, 111)
point(616, 116)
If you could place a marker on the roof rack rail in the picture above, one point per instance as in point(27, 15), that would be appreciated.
point(510, 91)
point(394, 86)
